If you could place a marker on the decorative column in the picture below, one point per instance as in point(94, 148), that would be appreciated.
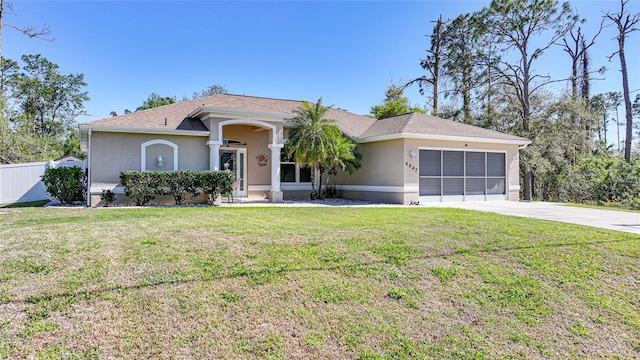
point(275, 195)
point(214, 154)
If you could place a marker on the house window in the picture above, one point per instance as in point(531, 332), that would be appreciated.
point(290, 172)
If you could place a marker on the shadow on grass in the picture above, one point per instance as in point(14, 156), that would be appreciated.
point(284, 269)
point(39, 203)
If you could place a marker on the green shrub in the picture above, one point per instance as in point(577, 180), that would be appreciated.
point(605, 180)
point(66, 184)
point(193, 184)
point(144, 186)
point(176, 183)
point(108, 197)
point(140, 186)
point(216, 183)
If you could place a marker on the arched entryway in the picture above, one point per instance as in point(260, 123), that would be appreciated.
point(254, 154)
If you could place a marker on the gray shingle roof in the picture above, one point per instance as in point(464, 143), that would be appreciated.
point(356, 126)
point(416, 123)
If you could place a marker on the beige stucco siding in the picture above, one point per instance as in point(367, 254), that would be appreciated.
point(382, 165)
point(112, 153)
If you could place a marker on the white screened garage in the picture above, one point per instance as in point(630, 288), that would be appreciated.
point(453, 175)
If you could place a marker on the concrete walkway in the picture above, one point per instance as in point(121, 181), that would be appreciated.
point(606, 219)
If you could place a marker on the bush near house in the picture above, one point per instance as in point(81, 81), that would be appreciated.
point(144, 186)
point(66, 184)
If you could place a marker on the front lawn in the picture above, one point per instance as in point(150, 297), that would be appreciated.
point(310, 282)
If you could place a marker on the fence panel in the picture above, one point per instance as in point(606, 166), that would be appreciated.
point(22, 182)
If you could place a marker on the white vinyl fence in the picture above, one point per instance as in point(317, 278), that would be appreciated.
point(22, 182)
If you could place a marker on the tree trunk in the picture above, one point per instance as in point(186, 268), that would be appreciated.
point(313, 182)
point(526, 184)
point(466, 96)
point(586, 78)
point(574, 79)
point(1, 25)
point(627, 101)
point(526, 118)
point(320, 171)
point(437, 61)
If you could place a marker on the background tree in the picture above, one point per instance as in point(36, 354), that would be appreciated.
point(433, 64)
point(459, 41)
point(214, 89)
point(154, 100)
point(577, 48)
point(49, 101)
point(39, 107)
point(519, 25)
point(395, 103)
point(626, 24)
point(613, 99)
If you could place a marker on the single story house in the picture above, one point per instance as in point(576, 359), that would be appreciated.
point(407, 158)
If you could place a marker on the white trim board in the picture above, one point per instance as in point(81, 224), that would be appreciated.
point(380, 188)
point(443, 137)
point(97, 190)
point(144, 131)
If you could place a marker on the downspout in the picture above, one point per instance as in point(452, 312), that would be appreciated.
point(88, 168)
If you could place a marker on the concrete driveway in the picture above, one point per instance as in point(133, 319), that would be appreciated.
point(606, 219)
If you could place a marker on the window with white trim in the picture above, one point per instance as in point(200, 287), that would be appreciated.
point(290, 172)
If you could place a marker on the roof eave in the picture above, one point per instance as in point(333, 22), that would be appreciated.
point(520, 141)
point(203, 112)
point(118, 129)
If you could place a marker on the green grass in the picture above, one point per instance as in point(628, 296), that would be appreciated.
point(298, 282)
point(39, 203)
point(602, 207)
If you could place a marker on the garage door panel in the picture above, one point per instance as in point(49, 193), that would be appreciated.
point(495, 164)
point(453, 186)
point(430, 187)
point(430, 163)
point(475, 186)
point(495, 186)
point(475, 164)
point(453, 163)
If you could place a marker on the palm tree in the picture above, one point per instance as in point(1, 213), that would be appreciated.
point(343, 155)
point(312, 139)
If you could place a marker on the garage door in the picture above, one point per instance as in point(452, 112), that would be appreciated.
point(462, 175)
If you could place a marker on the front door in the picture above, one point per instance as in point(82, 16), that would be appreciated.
point(235, 160)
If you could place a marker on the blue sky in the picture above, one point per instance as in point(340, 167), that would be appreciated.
point(346, 52)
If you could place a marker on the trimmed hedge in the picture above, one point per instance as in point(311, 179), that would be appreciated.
point(144, 186)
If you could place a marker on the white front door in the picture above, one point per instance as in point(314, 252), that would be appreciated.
point(235, 160)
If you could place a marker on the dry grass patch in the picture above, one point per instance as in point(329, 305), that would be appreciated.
point(327, 283)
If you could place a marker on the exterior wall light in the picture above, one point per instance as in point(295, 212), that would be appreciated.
point(412, 153)
point(160, 161)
